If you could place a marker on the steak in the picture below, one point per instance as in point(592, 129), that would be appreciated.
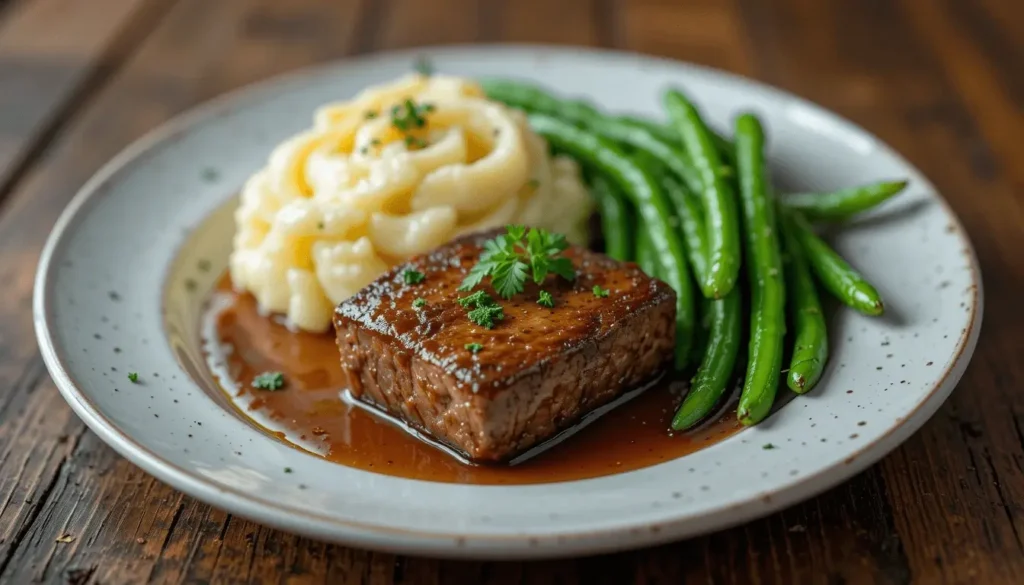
point(539, 369)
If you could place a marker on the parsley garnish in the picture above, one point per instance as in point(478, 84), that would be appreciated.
point(768, 446)
point(409, 116)
point(419, 302)
point(533, 183)
point(410, 276)
point(287, 469)
point(473, 347)
point(134, 377)
point(508, 260)
point(545, 300)
point(423, 66)
point(600, 292)
point(370, 114)
point(414, 143)
point(478, 299)
point(485, 312)
point(487, 315)
point(268, 381)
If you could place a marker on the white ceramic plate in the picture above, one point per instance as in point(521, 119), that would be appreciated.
point(101, 311)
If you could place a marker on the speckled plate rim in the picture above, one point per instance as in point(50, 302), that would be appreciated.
point(445, 544)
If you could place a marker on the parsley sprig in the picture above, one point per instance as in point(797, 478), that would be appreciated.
point(512, 257)
point(545, 299)
point(409, 115)
point(483, 310)
point(423, 66)
point(410, 276)
point(268, 381)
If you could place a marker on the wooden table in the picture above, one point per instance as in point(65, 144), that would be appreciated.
point(941, 80)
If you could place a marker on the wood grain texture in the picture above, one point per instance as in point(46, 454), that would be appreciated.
point(940, 80)
point(53, 55)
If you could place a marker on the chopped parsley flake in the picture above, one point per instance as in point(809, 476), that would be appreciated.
point(411, 276)
point(485, 312)
point(370, 114)
point(423, 66)
point(768, 446)
point(511, 258)
point(134, 377)
point(545, 299)
point(487, 316)
point(419, 303)
point(533, 183)
point(478, 299)
point(600, 292)
point(473, 347)
point(414, 143)
point(268, 381)
point(287, 469)
point(409, 116)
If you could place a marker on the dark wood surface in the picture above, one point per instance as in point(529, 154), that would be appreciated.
point(940, 80)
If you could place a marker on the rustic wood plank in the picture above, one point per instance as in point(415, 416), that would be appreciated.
point(53, 54)
point(707, 32)
point(411, 23)
point(983, 68)
point(572, 22)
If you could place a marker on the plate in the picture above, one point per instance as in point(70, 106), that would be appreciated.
point(105, 305)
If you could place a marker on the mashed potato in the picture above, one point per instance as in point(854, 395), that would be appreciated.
point(396, 171)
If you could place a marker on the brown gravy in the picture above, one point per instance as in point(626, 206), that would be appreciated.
point(311, 413)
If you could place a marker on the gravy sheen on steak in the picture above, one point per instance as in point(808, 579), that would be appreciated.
point(539, 370)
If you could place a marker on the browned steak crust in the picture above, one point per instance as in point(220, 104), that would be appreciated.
point(539, 370)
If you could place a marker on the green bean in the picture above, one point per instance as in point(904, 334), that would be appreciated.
point(616, 218)
point(631, 132)
point(646, 255)
point(810, 345)
point(688, 213)
point(691, 222)
point(701, 332)
point(716, 368)
point(661, 131)
point(672, 157)
point(726, 149)
point(665, 133)
point(651, 203)
point(519, 95)
point(764, 264)
point(838, 277)
point(839, 205)
point(719, 205)
point(533, 99)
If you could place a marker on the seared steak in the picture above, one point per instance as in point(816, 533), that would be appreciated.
point(539, 369)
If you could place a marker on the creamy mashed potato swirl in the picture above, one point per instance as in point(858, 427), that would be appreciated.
point(338, 204)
